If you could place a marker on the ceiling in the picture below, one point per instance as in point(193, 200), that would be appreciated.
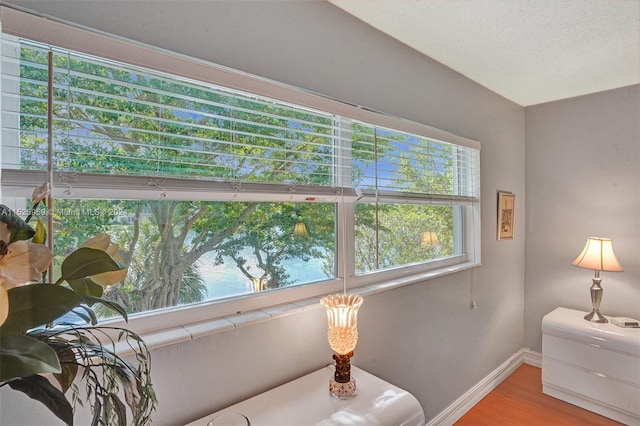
point(529, 51)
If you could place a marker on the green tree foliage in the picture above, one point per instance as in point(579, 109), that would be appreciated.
point(143, 124)
point(124, 121)
point(400, 234)
point(391, 234)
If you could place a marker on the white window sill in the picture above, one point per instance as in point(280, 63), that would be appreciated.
point(182, 333)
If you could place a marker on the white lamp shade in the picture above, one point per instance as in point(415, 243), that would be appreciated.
point(598, 255)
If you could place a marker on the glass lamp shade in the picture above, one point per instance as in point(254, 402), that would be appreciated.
point(300, 230)
point(342, 317)
point(259, 284)
point(429, 239)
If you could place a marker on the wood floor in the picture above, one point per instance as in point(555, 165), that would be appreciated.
point(519, 401)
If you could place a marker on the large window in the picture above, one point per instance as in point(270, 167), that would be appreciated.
point(415, 192)
point(214, 193)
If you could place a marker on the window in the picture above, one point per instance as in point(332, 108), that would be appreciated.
point(415, 192)
point(214, 192)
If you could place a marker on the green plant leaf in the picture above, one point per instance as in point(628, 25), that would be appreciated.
point(120, 409)
point(24, 356)
point(85, 286)
point(20, 234)
point(92, 318)
point(89, 317)
point(39, 388)
point(69, 366)
point(130, 388)
point(36, 304)
point(107, 304)
point(85, 262)
point(97, 412)
point(40, 236)
point(19, 229)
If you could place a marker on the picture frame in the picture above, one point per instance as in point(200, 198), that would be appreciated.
point(506, 215)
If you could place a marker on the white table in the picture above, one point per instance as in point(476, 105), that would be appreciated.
point(306, 401)
point(592, 365)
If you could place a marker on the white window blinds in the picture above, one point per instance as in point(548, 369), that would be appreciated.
point(394, 166)
point(164, 129)
point(114, 119)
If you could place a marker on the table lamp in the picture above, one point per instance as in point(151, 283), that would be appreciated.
point(597, 255)
point(342, 317)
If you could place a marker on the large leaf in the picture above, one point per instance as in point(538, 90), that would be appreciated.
point(85, 286)
point(19, 229)
point(85, 262)
point(39, 388)
point(36, 304)
point(69, 367)
point(24, 356)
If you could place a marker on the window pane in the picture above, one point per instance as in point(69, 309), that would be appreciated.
point(390, 160)
point(112, 118)
point(186, 252)
point(122, 131)
point(407, 233)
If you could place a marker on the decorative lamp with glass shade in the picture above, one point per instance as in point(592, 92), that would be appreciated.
point(300, 230)
point(429, 239)
point(597, 255)
point(342, 317)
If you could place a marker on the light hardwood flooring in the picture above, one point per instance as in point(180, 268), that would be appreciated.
point(519, 401)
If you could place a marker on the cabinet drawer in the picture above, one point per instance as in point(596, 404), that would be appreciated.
point(605, 361)
point(603, 391)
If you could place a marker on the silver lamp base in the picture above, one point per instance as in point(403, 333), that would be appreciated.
point(596, 298)
point(595, 316)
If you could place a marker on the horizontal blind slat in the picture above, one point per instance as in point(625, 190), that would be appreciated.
point(129, 118)
point(119, 116)
point(391, 160)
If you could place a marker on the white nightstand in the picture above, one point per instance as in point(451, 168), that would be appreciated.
point(306, 401)
point(594, 366)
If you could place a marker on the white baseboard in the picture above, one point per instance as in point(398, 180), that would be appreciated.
point(532, 357)
point(455, 411)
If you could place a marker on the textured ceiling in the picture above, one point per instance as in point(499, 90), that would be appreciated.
point(529, 51)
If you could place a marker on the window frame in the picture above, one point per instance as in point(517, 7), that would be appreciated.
point(20, 24)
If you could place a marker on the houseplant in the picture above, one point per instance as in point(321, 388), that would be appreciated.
point(49, 337)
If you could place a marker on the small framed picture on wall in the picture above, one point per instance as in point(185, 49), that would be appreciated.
point(506, 214)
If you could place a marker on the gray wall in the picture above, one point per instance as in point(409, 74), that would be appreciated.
point(582, 180)
point(425, 337)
